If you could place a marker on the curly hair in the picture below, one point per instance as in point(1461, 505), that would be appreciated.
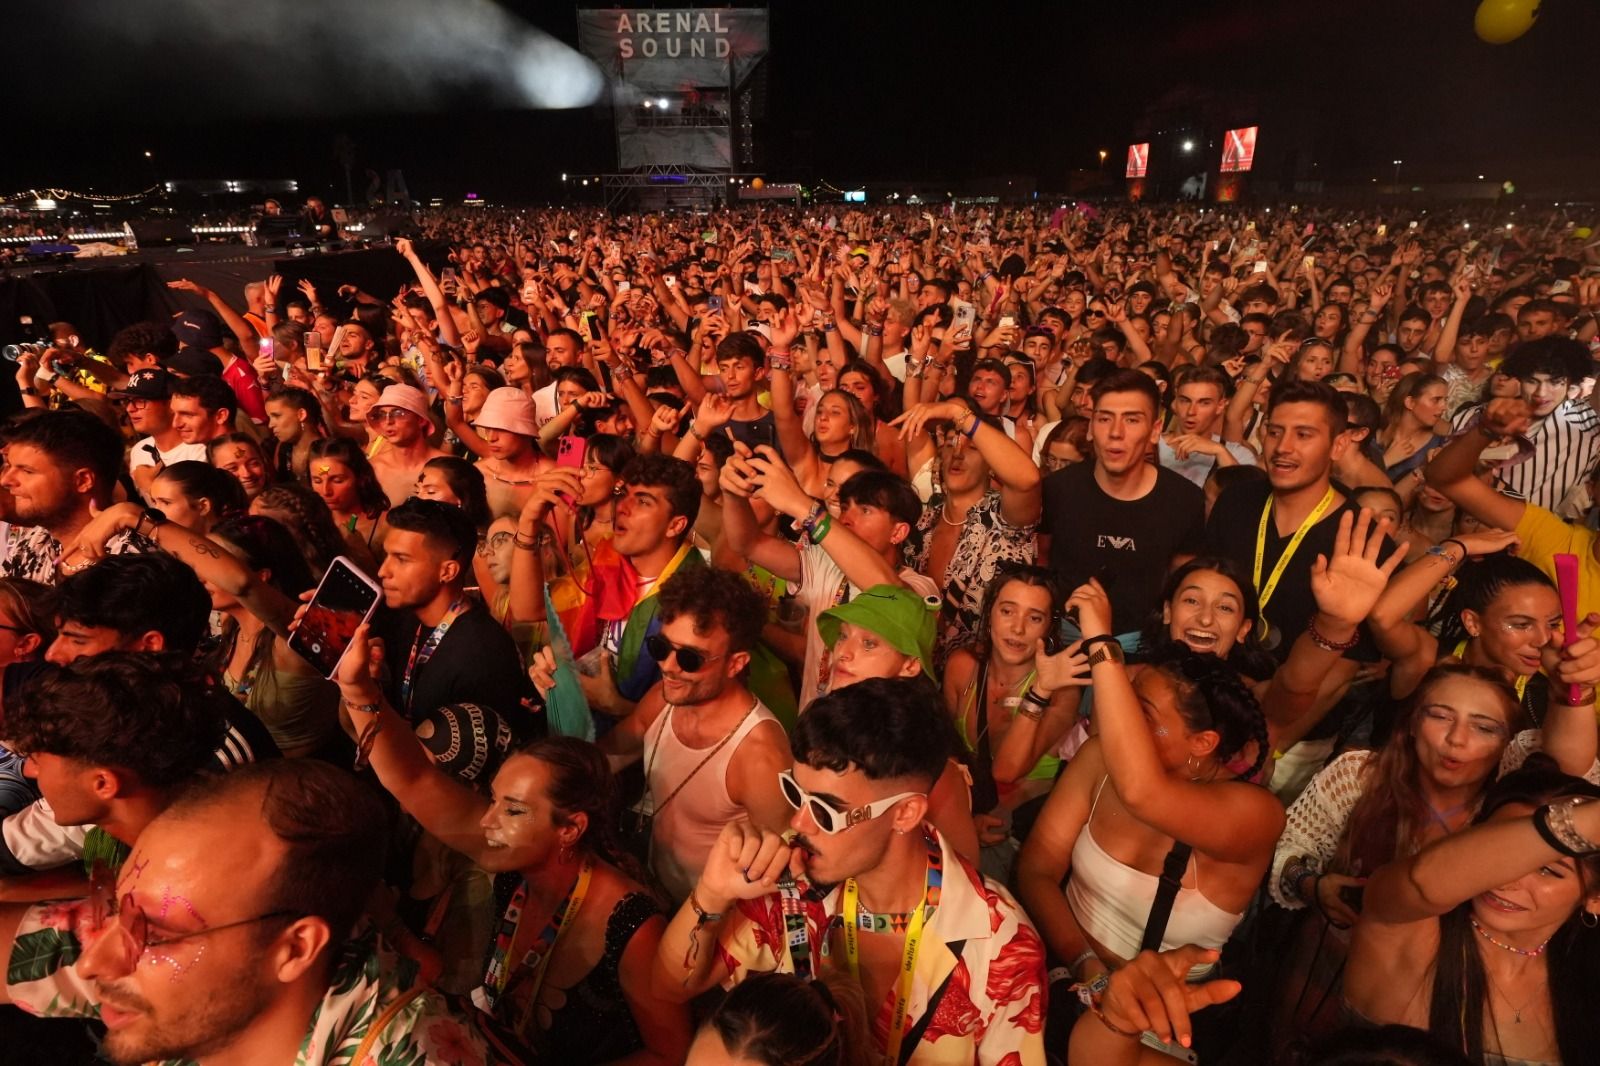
point(1213, 696)
point(885, 727)
point(153, 715)
point(712, 597)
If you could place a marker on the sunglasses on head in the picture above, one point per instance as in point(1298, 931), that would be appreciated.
point(690, 660)
point(830, 819)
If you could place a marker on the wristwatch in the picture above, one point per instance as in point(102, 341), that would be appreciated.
point(1109, 649)
point(151, 515)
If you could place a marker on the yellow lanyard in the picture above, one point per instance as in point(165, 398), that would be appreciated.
point(908, 964)
point(1522, 679)
point(1265, 591)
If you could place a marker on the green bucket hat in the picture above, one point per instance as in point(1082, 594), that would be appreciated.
point(907, 621)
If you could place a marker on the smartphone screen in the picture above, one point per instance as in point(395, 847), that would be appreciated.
point(715, 304)
point(344, 599)
point(264, 347)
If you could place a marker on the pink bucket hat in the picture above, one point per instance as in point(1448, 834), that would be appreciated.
point(508, 409)
point(407, 399)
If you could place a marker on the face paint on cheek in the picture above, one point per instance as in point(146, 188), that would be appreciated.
point(1160, 731)
point(168, 901)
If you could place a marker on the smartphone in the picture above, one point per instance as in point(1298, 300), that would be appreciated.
point(1008, 321)
point(624, 286)
point(345, 598)
point(715, 304)
point(264, 347)
point(671, 280)
point(1308, 261)
point(586, 325)
point(447, 277)
point(756, 434)
point(1261, 266)
point(1383, 229)
point(570, 451)
point(964, 314)
point(1412, 224)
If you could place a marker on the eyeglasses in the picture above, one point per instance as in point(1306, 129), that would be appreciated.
point(385, 414)
point(132, 929)
point(829, 819)
point(691, 660)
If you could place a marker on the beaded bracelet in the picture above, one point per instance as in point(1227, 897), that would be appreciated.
point(1330, 645)
point(821, 529)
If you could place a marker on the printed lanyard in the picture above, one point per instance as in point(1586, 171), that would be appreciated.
point(1265, 591)
point(497, 976)
point(908, 958)
point(422, 649)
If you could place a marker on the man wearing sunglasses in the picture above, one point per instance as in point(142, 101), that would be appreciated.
point(868, 879)
point(230, 934)
point(401, 417)
point(711, 750)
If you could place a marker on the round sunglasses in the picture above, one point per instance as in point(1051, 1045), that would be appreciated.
point(690, 660)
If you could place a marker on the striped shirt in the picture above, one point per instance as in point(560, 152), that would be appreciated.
point(1566, 444)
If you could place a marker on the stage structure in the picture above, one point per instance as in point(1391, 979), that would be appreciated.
point(687, 86)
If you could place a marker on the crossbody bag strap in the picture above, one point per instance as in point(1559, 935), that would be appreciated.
point(1155, 927)
point(913, 1035)
point(381, 1022)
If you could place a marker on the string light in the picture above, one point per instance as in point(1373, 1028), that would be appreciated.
point(68, 194)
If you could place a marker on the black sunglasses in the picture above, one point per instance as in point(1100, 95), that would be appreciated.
point(691, 660)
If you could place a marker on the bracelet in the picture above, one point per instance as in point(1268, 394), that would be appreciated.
point(779, 362)
point(1085, 956)
point(271, 310)
point(972, 427)
point(694, 431)
point(1438, 551)
point(1330, 645)
point(829, 327)
point(821, 529)
point(369, 733)
point(455, 399)
point(874, 331)
point(1089, 642)
point(701, 915)
point(1035, 697)
point(523, 545)
point(1554, 823)
point(808, 524)
point(1458, 543)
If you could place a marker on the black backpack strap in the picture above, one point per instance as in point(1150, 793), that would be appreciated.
point(913, 1035)
point(1155, 927)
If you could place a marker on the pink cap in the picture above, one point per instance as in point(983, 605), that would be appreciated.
point(509, 409)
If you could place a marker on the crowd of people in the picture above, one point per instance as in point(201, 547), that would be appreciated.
point(982, 635)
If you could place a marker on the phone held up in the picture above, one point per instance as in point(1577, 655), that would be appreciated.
point(345, 598)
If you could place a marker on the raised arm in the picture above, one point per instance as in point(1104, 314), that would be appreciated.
point(209, 560)
point(1453, 470)
point(1021, 498)
point(232, 319)
point(438, 801)
point(1459, 866)
point(1232, 822)
point(430, 289)
point(1354, 353)
point(1445, 350)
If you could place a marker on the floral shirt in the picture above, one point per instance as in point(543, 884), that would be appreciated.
point(31, 552)
point(992, 1010)
point(985, 544)
point(368, 979)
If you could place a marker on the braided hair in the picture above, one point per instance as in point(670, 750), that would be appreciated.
point(1478, 584)
point(1213, 695)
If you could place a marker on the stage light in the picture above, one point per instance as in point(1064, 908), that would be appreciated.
point(586, 181)
point(1510, 226)
point(662, 103)
point(648, 104)
point(1466, 225)
point(147, 153)
point(563, 177)
point(1188, 146)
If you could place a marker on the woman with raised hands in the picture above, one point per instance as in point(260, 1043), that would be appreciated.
point(1486, 937)
point(1151, 792)
point(569, 971)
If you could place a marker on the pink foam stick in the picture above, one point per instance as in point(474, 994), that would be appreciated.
point(1567, 585)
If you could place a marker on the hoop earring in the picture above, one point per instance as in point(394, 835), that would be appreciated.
point(1194, 770)
point(1590, 919)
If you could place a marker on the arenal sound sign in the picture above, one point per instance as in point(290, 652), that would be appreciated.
point(666, 50)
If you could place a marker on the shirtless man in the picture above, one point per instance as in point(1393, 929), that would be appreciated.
point(402, 418)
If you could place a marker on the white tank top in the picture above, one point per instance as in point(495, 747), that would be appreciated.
point(685, 829)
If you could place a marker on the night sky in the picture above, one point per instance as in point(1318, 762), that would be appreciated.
point(857, 91)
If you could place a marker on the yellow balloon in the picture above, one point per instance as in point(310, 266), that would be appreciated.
point(1503, 21)
point(1583, 233)
point(757, 183)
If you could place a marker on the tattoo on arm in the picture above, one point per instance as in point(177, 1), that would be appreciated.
point(205, 547)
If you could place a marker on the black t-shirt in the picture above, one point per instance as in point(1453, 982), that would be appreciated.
point(476, 662)
point(757, 431)
point(1127, 545)
point(1231, 533)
